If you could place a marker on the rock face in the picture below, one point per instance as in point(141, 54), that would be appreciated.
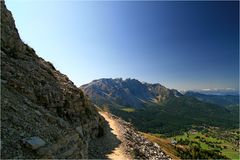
point(38, 101)
point(129, 92)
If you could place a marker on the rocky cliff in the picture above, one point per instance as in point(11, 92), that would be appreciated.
point(43, 114)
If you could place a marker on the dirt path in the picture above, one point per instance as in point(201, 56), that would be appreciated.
point(121, 141)
point(112, 144)
point(118, 153)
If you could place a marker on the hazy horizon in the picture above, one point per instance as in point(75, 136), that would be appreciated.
point(181, 45)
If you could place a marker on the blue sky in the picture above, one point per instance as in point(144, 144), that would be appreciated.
point(182, 45)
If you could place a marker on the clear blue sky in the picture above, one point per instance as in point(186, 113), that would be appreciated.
point(182, 45)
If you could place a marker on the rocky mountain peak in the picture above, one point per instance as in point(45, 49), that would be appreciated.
point(128, 92)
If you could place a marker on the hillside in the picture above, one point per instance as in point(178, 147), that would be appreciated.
point(222, 100)
point(43, 114)
point(160, 109)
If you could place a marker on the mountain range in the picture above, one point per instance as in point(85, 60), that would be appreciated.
point(222, 91)
point(155, 108)
point(127, 93)
point(222, 100)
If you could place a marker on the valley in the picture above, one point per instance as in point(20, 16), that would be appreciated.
point(200, 143)
point(157, 109)
point(198, 128)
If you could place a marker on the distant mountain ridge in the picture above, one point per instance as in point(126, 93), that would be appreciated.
point(129, 92)
point(219, 92)
point(222, 100)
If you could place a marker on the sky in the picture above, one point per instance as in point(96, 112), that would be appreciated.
point(182, 45)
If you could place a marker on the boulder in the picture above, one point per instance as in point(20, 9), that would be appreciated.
point(33, 142)
point(79, 130)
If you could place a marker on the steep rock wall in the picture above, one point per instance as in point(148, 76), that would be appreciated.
point(39, 101)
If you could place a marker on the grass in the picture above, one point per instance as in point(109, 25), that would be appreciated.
point(192, 137)
point(229, 152)
point(164, 143)
point(128, 109)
